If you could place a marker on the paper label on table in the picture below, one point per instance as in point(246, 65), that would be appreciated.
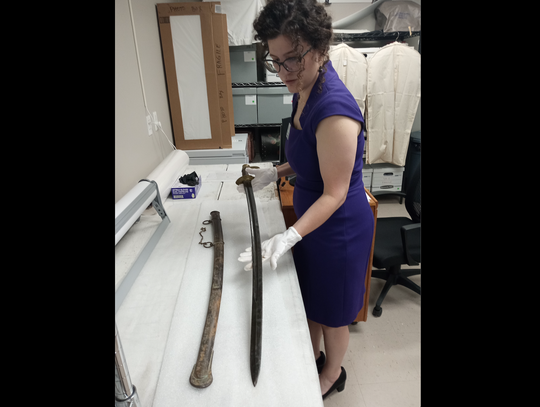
point(287, 99)
point(251, 100)
point(249, 56)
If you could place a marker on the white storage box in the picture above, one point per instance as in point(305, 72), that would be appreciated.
point(367, 175)
point(386, 188)
point(386, 177)
point(237, 154)
point(271, 77)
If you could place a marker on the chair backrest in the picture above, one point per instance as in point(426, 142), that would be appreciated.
point(413, 199)
point(285, 122)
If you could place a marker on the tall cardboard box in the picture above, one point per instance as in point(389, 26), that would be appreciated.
point(195, 50)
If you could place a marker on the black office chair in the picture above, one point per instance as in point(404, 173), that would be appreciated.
point(397, 242)
point(285, 124)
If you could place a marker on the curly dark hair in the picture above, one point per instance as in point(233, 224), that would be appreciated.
point(297, 20)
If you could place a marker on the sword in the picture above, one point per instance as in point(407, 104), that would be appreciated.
point(256, 299)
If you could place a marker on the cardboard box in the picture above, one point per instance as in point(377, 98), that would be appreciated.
point(223, 69)
point(213, 34)
point(386, 188)
point(271, 77)
point(183, 191)
point(387, 177)
point(367, 174)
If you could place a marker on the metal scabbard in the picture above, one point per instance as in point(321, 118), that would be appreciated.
point(201, 375)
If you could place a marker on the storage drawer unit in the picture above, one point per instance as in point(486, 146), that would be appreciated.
point(245, 105)
point(273, 104)
point(236, 155)
point(367, 175)
point(243, 63)
point(386, 177)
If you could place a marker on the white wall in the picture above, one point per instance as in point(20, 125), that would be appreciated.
point(343, 8)
point(137, 153)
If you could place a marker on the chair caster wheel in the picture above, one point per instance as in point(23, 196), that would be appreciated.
point(377, 311)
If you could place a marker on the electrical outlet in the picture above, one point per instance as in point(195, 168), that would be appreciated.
point(155, 120)
point(149, 124)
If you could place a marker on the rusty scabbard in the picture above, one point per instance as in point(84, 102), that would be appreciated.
point(256, 299)
point(201, 375)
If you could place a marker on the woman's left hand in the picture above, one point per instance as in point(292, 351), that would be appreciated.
point(273, 248)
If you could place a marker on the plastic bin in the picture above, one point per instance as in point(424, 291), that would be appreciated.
point(245, 105)
point(243, 63)
point(273, 104)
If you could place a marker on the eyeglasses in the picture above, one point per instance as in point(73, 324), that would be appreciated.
point(290, 64)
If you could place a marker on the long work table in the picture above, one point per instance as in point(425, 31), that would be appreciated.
point(161, 319)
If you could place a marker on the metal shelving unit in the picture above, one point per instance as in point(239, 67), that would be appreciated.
point(374, 36)
point(368, 39)
point(257, 84)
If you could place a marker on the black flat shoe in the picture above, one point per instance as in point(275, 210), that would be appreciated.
point(321, 360)
point(339, 384)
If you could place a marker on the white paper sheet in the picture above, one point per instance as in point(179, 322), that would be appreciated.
point(288, 376)
point(190, 74)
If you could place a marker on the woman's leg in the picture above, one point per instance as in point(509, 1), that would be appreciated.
point(315, 330)
point(336, 341)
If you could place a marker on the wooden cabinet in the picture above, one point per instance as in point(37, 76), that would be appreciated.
point(362, 315)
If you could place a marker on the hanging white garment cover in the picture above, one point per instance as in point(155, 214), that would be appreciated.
point(351, 67)
point(240, 16)
point(393, 93)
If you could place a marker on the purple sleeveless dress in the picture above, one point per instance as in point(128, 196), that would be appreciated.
point(331, 261)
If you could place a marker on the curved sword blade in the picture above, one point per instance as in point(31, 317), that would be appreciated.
point(256, 300)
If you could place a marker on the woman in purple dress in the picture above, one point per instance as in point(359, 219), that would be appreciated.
point(334, 231)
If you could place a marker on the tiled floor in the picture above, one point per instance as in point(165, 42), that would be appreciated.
point(383, 358)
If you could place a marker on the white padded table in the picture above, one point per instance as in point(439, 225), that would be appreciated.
point(161, 320)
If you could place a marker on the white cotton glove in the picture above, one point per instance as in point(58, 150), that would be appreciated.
point(263, 177)
point(273, 248)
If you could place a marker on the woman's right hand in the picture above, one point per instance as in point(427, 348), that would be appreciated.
point(263, 177)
